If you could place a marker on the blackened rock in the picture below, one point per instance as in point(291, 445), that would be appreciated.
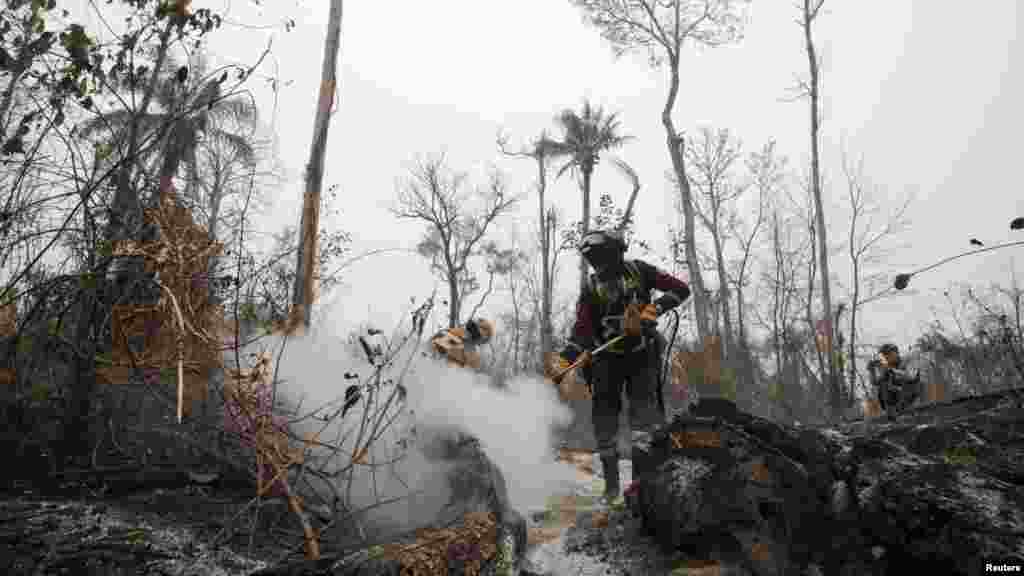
point(940, 488)
point(927, 508)
point(706, 475)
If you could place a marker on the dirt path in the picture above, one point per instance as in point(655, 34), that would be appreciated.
point(576, 534)
point(560, 514)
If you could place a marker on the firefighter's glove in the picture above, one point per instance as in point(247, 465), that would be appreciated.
point(649, 313)
point(632, 323)
point(555, 368)
point(558, 366)
point(562, 364)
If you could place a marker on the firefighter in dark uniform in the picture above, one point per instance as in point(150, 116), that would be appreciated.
point(617, 301)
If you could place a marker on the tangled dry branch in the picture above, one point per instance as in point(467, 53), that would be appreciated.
point(184, 330)
point(249, 412)
point(471, 543)
point(181, 329)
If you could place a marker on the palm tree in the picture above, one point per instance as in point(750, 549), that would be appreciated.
point(190, 106)
point(585, 136)
point(191, 125)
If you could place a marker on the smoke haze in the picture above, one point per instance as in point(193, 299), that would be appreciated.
point(515, 426)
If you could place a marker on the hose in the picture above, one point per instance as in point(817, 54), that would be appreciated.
point(665, 362)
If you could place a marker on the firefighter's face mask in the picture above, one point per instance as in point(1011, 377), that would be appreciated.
point(601, 253)
point(600, 260)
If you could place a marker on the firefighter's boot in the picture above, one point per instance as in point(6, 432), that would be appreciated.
point(610, 469)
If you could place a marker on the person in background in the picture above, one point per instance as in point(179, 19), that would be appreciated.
point(895, 387)
point(459, 345)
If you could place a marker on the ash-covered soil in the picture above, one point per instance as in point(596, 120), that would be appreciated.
point(165, 532)
point(579, 535)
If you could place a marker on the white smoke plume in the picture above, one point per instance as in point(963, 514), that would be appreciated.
point(515, 426)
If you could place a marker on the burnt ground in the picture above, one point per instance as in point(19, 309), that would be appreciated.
point(179, 529)
point(159, 522)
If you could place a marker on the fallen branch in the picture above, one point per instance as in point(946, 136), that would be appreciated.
point(180, 344)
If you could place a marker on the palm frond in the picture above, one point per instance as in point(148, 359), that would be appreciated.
point(185, 111)
point(241, 145)
point(239, 109)
point(205, 98)
point(612, 141)
point(114, 120)
point(569, 166)
point(626, 170)
point(167, 92)
point(587, 133)
point(193, 181)
point(180, 143)
point(634, 180)
point(550, 149)
point(555, 148)
point(572, 125)
point(112, 129)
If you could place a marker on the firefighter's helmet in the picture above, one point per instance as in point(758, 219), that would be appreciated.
point(888, 348)
point(602, 239)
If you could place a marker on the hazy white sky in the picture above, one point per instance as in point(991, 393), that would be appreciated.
point(928, 92)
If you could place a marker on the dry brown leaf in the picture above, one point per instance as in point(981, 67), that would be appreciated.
point(699, 568)
point(760, 473)
point(936, 392)
point(872, 409)
point(181, 251)
point(540, 535)
point(8, 320)
point(760, 552)
point(696, 439)
point(708, 359)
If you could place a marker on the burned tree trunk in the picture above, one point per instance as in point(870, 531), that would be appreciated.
point(306, 257)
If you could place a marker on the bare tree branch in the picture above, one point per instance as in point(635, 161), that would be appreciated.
point(436, 197)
